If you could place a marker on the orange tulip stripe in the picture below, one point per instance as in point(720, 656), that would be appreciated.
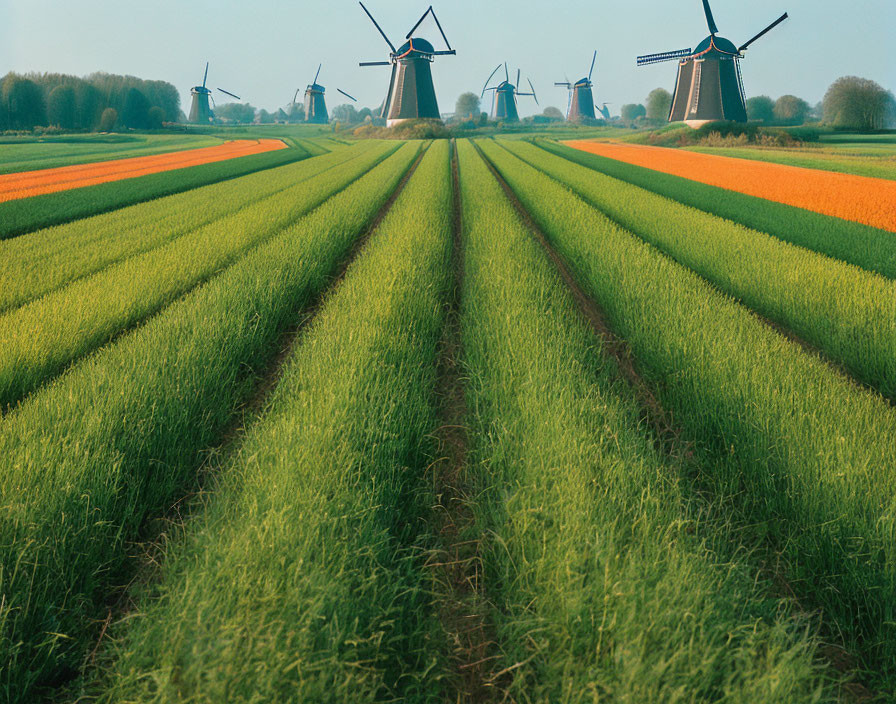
point(871, 201)
point(35, 183)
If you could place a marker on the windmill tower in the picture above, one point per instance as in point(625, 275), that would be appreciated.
point(315, 104)
point(581, 98)
point(504, 100)
point(709, 85)
point(200, 111)
point(411, 92)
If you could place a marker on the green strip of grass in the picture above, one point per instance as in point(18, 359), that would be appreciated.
point(43, 261)
point(603, 579)
point(303, 581)
point(87, 460)
point(28, 214)
point(38, 340)
point(845, 311)
point(807, 457)
point(866, 247)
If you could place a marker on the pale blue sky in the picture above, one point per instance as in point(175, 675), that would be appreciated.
point(263, 51)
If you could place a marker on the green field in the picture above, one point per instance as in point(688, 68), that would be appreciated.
point(451, 421)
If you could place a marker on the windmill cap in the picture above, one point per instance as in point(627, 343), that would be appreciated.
point(506, 85)
point(316, 87)
point(718, 43)
point(582, 82)
point(421, 46)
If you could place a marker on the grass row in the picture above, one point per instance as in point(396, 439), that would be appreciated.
point(42, 261)
point(845, 311)
point(806, 457)
point(31, 154)
point(28, 214)
point(89, 458)
point(603, 579)
point(866, 247)
point(302, 581)
point(40, 339)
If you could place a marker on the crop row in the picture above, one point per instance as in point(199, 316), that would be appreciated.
point(805, 457)
point(603, 578)
point(40, 339)
point(52, 152)
point(866, 247)
point(302, 581)
point(42, 261)
point(791, 285)
point(119, 437)
point(29, 214)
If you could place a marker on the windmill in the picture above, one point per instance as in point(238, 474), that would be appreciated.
point(504, 100)
point(411, 92)
point(603, 110)
point(581, 99)
point(709, 85)
point(200, 112)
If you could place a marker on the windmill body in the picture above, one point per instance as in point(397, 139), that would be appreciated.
point(709, 86)
point(315, 104)
point(504, 100)
point(200, 110)
point(581, 97)
point(412, 94)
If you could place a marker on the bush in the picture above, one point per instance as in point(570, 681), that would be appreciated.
point(108, 120)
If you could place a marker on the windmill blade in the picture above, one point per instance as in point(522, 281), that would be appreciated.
point(379, 29)
point(489, 80)
point(419, 22)
point(518, 72)
point(452, 52)
point(506, 73)
point(347, 95)
point(296, 96)
point(441, 31)
point(225, 92)
point(532, 88)
point(663, 56)
point(375, 63)
point(567, 85)
point(764, 31)
point(711, 23)
point(205, 77)
point(316, 75)
point(593, 59)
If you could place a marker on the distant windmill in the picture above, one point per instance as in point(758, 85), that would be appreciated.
point(504, 100)
point(709, 85)
point(411, 92)
point(604, 111)
point(581, 98)
point(200, 111)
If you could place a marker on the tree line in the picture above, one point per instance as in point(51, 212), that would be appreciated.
point(100, 101)
point(850, 103)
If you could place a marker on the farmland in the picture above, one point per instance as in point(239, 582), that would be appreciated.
point(453, 420)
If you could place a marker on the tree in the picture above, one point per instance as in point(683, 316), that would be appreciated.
point(467, 106)
point(62, 110)
point(659, 105)
point(108, 120)
point(155, 118)
point(264, 117)
point(240, 113)
point(346, 114)
point(24, 103)
point(761, 108)
point(631, 112)
point(90, 104)
point(553, 113)
point(790, 110)
point(857, 103)
point(135, 113)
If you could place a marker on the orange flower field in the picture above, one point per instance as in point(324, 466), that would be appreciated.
point(35, 183)
point(871, 201)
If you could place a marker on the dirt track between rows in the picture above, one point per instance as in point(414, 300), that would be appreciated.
point(34, 183)
point(870, 201)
